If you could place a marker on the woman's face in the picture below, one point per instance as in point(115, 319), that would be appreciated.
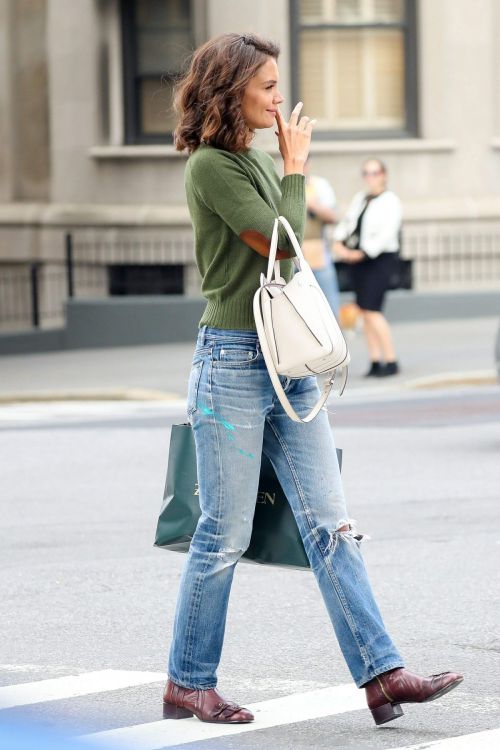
point(374, 176)
point(261, 97)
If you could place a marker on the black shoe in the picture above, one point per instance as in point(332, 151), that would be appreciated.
point(374, 370)
point(389, 368)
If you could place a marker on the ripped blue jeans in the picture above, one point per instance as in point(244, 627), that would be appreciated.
point(236, 415)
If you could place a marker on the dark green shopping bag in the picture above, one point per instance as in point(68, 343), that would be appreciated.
point(275, 537)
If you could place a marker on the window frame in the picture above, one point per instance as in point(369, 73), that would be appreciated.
point(409, 25)
point(133, 135)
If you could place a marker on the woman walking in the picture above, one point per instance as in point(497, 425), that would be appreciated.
point(368, 237)
point(234, 194)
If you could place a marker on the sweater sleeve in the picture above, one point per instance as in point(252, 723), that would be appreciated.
point(226, 189)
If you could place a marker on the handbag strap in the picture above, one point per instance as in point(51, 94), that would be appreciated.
point(266, 351)
point(273, 261)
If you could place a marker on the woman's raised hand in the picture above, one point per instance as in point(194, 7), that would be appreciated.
point(294, 138)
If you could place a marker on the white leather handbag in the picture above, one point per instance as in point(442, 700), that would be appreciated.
point(298, 332)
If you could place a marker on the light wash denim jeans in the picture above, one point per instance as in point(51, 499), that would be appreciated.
point(235, 415)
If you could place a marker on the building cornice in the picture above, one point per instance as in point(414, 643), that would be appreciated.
point(384, 146)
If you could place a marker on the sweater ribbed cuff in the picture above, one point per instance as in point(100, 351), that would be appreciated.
point(293, 185)
point(293, 207)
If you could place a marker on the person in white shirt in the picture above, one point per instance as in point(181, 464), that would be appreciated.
point(368, 237)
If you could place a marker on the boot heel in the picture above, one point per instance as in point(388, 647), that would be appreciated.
point(171, 711)
point(386, 712)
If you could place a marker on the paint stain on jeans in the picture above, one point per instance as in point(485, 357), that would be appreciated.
point(227, 425)
point(229, 428)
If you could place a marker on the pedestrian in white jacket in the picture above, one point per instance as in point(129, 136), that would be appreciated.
point(368, 238)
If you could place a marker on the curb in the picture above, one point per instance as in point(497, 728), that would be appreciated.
point(126, 394)
point(439, 380)
point(454, 379)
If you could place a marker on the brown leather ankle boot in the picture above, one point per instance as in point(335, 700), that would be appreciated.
point(386, 691)
point(207, 705)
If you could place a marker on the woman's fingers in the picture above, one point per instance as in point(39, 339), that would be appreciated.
point(294, 137)
point(295, 113)
point(279, 119)
point(305, 122)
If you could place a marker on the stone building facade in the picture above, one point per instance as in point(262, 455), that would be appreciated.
point(85, 125)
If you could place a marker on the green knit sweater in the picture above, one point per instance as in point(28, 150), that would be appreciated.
point(228, 194)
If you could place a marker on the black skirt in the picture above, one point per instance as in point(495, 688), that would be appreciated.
point(371, 280)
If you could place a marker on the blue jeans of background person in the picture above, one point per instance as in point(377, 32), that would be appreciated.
point(235, 415)
point(328, 281)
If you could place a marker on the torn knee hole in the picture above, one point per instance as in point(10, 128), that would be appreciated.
point(229, 554)
point(346, 530)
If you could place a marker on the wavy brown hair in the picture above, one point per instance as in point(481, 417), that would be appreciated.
point(207, 97)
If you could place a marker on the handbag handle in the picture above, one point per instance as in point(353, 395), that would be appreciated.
point(298, 259)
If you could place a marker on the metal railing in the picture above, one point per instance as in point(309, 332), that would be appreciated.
point(458, 259)
point(33, 292)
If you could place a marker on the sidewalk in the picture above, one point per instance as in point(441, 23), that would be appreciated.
point(431, 353)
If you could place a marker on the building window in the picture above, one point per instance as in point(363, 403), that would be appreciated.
point(142, 279)
point(354, 66)
point(157, 39)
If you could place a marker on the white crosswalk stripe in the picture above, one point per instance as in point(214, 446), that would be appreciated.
point(59, 688)
point(271, 713)
point(289, 709)
point(488, 740)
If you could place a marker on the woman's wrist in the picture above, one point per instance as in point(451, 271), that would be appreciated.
point(294, 166)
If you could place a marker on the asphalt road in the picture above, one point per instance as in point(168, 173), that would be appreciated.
point(84, 591)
